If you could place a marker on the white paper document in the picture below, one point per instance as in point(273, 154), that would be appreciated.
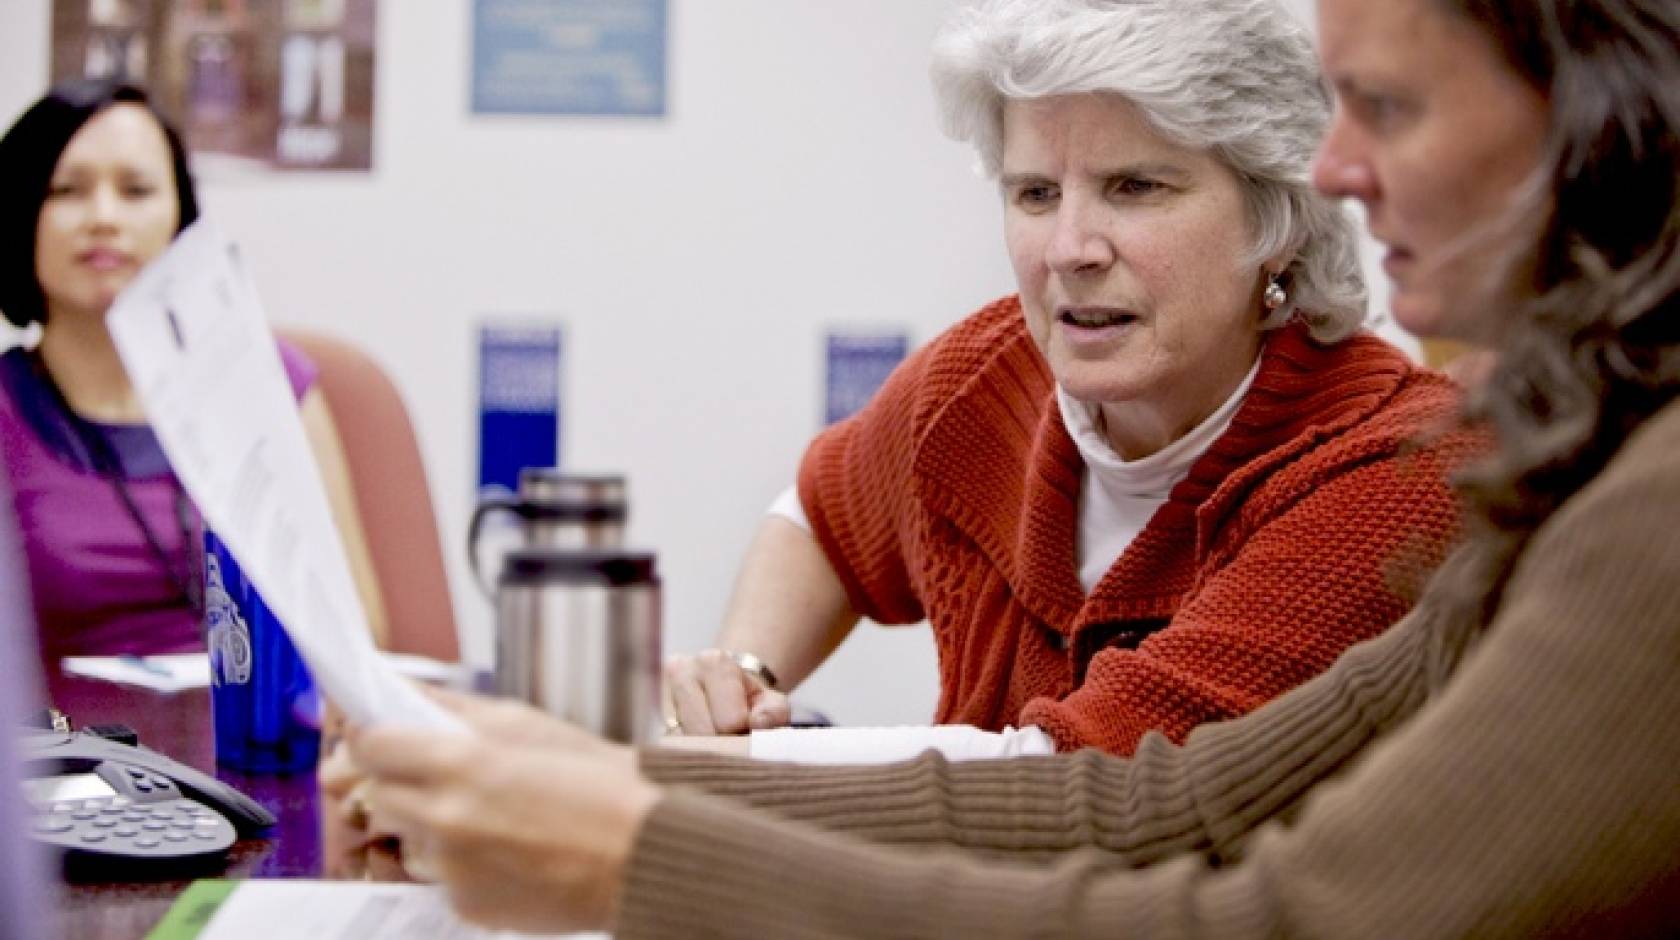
point(886, 745)
point(173, 672)
point(195, 342)
point(343, 910)
point(170, 672)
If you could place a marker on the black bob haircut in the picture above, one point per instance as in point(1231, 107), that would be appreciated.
point(28, 155)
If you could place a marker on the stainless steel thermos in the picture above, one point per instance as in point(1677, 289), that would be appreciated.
point(556, 510)
point(577, 614)
point(577, 634)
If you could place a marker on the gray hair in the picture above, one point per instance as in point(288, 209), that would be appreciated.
point(1235, 78)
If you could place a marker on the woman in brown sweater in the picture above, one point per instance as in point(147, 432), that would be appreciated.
point(1501, 763)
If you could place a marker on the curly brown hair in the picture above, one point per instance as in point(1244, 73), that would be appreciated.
point(1595, 350)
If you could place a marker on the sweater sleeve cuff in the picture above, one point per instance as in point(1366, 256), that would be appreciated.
point(703, 867)
point(693, 862)
point(673, 767)
point(896, 802)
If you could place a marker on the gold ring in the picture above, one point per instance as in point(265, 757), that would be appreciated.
point(673, 724)
point(357, 812)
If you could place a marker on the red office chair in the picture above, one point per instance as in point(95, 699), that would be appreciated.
point(392, 495)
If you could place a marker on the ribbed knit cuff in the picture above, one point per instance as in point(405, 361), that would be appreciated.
point(694, 864)
point(894, 802)
point(1030, 807)
point(704, 868)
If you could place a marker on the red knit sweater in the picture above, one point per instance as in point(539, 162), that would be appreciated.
point(953, 496)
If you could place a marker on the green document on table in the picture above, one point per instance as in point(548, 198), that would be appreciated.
point(192, 910)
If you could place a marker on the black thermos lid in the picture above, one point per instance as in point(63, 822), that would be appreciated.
point(587, 566)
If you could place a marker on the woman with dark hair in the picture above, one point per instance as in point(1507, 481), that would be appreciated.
point(96, 187)
point(1501, 763)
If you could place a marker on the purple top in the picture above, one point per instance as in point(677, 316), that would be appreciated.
point(99, 588)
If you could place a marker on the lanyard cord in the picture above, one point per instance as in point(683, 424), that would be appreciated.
point(109, 466)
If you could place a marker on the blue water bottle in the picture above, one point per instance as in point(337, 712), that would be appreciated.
point(263, 701)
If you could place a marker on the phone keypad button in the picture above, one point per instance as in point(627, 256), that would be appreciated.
point(164, 824)
point(142, 786)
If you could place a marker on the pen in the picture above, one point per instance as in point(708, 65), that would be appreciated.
point(141, 662)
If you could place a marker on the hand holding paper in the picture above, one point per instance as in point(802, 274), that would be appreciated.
point(196, 344)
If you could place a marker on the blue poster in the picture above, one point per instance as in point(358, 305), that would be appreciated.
point(518, 402)
point(857, 365)
point(569, 57)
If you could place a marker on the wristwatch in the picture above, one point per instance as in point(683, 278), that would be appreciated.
point(753, 666)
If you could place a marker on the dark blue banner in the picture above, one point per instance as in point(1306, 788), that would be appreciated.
point(518, 402)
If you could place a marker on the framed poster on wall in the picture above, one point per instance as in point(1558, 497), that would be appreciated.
point(603, 57)
point(255, 85)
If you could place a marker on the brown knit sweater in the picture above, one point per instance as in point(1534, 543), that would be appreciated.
point(954, 496)
point(1538, 792)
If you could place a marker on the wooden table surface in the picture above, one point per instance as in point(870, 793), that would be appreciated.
point(178, 724)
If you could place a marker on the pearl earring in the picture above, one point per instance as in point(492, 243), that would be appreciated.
point(1274, 296)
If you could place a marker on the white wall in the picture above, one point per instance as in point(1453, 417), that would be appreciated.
point(798, 182)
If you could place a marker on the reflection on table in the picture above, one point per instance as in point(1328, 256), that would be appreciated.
point(178, 725)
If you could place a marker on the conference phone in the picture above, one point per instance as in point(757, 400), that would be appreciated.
point(102, 801)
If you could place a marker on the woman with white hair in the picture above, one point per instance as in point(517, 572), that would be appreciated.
point(1501, 763)
point(1166, 481)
